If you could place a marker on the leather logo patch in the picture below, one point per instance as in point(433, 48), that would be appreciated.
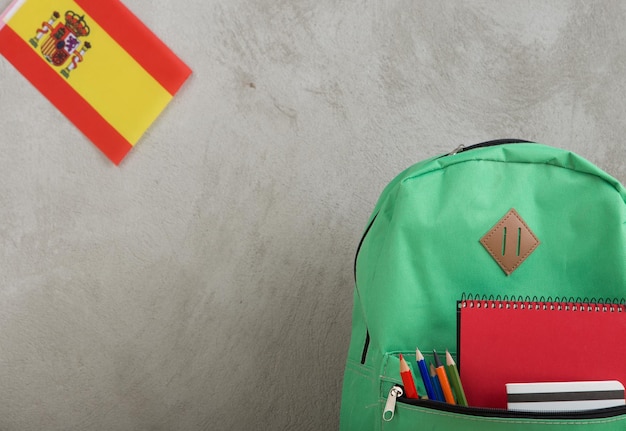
point(510, 242)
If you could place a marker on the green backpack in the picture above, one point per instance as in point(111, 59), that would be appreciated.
point(422, 252)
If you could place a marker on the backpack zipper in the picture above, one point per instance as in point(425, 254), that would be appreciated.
point(462, 148)
point(390, 406)
point(367, 332)
point(396, 395)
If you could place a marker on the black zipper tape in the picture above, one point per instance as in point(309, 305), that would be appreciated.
point(365, 347)
point(361, 243)
point(494, 143)
point(513, 414)
point(367, 335)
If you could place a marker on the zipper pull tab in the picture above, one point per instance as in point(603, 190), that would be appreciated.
point(456, 150)
point(390, 407)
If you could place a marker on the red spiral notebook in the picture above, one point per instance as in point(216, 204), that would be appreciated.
point(502, 342)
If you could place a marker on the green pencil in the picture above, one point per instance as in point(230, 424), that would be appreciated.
point(455, 380)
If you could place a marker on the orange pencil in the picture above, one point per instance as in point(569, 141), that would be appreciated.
point(407, 379)
point(443, 379)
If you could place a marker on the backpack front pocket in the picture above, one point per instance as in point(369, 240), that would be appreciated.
point(399, 413)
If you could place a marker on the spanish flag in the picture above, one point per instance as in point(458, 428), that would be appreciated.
point(97, 63)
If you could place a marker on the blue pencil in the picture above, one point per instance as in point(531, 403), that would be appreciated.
point(436, 384)
point(421, 363)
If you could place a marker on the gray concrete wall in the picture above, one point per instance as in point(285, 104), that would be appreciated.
point(206, 283)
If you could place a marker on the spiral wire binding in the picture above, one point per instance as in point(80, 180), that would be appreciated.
point(565, 303)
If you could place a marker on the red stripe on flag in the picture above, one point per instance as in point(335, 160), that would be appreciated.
point(63, 96)
point(138, 41)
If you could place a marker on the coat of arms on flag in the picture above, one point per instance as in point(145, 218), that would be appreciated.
point(97, 63)
point(62, 40)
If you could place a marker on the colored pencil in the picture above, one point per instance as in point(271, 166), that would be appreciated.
point(407, 379)
point(436, 384)
point(421, 364)
point(443, 380)
point(455, 380)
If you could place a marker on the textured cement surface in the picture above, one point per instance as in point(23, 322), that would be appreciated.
point(206, 283)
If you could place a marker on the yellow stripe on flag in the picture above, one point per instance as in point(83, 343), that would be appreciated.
point(108, 78)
